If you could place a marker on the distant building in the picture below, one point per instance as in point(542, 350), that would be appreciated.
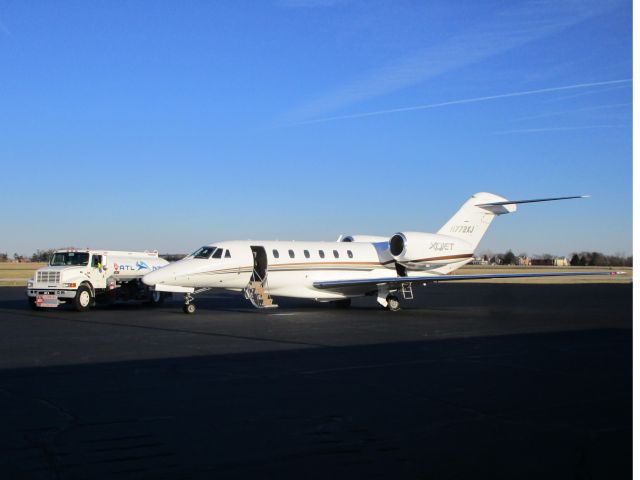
point(479, 261)
point(542, 262)
point(550, 262)
point(523, 260)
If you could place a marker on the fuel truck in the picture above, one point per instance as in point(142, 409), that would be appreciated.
point(87, 277)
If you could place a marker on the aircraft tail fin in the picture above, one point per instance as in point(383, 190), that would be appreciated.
point(472, 220)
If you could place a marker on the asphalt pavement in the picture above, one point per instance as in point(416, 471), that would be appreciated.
point(467, 381)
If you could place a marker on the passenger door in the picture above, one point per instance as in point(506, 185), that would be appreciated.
point(259, 263)
point(98, 270)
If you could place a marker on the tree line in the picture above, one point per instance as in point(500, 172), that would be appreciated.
point(597, 259)
point(39, 256)
point(578, 259)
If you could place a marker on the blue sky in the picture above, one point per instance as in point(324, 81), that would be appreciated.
point(142, 125)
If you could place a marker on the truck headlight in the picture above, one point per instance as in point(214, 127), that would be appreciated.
point(70, 285)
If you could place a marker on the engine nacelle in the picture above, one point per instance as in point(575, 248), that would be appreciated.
point(422, 251)
point(362, 238)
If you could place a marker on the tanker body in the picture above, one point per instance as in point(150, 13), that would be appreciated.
point(87, 277)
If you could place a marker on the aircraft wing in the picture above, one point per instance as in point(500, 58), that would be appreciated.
point(398, 281)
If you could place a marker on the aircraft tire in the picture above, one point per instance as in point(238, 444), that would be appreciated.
point(189, 308)
point(393, 304)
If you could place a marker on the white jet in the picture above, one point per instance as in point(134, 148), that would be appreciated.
point(353, 266)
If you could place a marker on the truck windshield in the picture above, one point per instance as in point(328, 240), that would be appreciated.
point(61, 259)
point(204, 252)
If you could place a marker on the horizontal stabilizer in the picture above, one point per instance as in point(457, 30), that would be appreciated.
point(514, 202)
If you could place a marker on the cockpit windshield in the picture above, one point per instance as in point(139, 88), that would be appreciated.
point(204, 252)
point(62, 259)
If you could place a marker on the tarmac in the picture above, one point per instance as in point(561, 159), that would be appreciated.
point(467, 381)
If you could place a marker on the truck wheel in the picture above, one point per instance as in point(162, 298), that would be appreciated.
point(82, 301)
point(393, 304)
point(156, 298)
point(189, 308)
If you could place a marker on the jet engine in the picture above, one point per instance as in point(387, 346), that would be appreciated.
point(418, 250)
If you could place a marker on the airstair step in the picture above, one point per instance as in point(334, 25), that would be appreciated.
point(256, 292)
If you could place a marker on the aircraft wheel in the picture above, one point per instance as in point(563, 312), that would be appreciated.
point(189, 308)
point(393, 304)
point(82, 301)
point(343, 304)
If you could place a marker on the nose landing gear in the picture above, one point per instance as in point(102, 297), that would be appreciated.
point(189, 306)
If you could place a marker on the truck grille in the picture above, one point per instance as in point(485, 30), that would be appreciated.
point(48, 277)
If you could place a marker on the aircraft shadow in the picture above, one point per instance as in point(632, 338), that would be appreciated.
point(547, 405)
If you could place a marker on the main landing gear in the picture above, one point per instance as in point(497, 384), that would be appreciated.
point(388, 300)
point(393, 304)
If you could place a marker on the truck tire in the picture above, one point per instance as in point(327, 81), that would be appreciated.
point(83, 299)
point(156, 298)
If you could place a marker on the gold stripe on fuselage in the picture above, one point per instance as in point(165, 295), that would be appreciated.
point(355, 266)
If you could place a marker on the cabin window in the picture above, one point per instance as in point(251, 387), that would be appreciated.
point(276, 254)
point(227, 254)
point(321, 253)
point(217, 253)
point(336, 254)
point(306, 254)
point(349, 253)
point(291, 254)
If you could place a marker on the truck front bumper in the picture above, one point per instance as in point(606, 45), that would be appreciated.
point(57, 292)
point(49, 297)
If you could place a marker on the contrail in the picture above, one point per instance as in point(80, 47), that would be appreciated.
point(573, 110)
point(460, 102)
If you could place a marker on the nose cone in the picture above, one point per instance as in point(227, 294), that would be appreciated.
point(154, 278)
